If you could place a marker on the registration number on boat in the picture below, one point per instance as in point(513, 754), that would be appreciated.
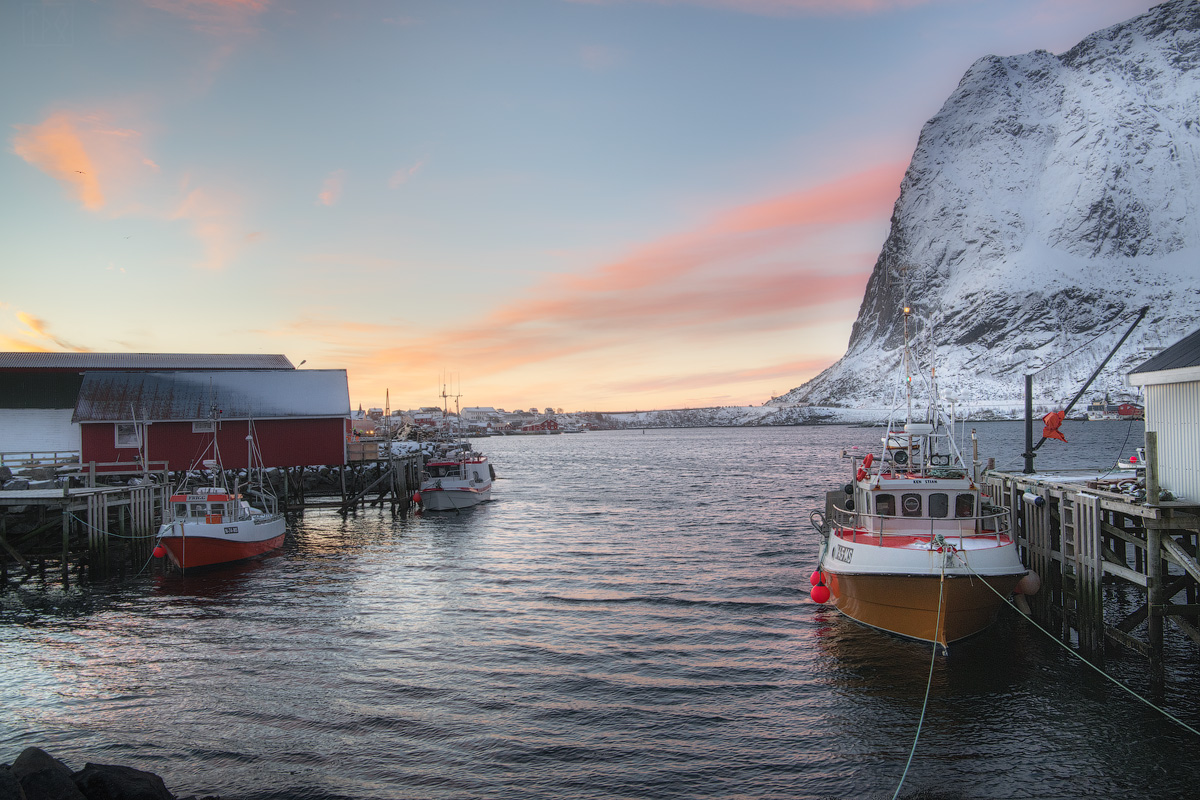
point(230, 530)
point(843, 553)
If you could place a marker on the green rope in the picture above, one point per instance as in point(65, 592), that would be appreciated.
point(928, 684)
point(1067, 647)
point(90, 526)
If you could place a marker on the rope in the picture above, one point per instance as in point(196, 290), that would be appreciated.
point(928, 684)
point(1067, 647)
point(87, 524)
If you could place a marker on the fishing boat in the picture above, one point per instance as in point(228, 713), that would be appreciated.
point(454, 478)
point(208, 525)
point(911, 544)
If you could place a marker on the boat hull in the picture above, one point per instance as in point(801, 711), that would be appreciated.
point(191, 545)
point(924, 607)
point(434, 499)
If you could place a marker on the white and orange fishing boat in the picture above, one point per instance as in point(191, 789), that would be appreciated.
point(911, 544)
point(458, 477)
point(205, 526)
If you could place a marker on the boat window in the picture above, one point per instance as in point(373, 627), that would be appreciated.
point(939, 505)
point(181, 509)
point(911, 504)
point(964, 505)
point(885, 505)
point(218, 508)
point(199, 510)
point(475, 472)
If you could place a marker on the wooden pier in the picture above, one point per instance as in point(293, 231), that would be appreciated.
point(87, 530)
point(1078, 533)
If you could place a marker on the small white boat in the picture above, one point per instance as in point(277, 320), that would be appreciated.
point(457, 477)
point(911, 546)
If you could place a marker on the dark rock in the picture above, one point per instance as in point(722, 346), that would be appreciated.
point(10, 787)
point(44, 777)
point(5, 474)
point(111, 782)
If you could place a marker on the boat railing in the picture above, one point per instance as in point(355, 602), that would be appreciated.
point(882, 526)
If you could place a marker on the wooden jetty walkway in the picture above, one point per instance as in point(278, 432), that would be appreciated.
point(90, 530)
point(1078, 533)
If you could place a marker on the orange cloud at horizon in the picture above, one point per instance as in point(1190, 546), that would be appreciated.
point(735, 276)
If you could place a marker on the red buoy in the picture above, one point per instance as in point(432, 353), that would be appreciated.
point(417, 498)
point(820, 593)
point(815, 578)
point(159, 551)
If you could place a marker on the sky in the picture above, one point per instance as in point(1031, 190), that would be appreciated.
point(595, 205)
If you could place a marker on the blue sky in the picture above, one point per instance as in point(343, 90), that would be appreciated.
point(589, 205)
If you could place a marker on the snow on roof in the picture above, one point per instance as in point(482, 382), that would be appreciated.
point(227, 394)
point(143, 361)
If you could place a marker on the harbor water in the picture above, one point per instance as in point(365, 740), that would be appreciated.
point(628, 618)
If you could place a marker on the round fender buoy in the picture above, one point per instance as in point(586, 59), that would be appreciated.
point(159, 551)
point(1029, 585)
point(820, 593)
point(417, 498)
point(815, 578)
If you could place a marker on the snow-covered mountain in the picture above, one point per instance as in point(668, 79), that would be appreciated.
point(1051, 198)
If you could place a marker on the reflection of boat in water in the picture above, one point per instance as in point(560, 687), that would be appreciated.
point(911, 545)
point(209, 525)
point(455, 478)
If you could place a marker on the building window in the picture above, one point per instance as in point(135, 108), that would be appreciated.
point(127, 435)
point(204, 426)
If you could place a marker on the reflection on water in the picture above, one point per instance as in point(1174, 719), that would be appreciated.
point(627, 619)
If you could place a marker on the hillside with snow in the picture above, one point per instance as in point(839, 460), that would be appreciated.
point(1051, 198)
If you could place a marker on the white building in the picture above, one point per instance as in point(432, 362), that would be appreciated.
point(1171, 384)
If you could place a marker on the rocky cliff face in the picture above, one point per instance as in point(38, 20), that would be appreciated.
point(1051, 198)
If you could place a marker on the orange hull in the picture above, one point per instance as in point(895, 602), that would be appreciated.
point(908, 605)
point(190, 552)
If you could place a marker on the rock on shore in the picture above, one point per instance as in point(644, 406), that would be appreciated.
point(37, 775)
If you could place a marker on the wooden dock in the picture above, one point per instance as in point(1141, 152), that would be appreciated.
point(1078, 534)
point(87, 530)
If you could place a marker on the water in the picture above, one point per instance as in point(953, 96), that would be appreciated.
point(627, 619)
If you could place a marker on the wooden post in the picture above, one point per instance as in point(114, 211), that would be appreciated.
point(1154, 596)
point(1089, 573)
point(1153, 491)
point(66, 545)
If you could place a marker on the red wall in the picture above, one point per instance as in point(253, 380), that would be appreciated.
point(283, 443)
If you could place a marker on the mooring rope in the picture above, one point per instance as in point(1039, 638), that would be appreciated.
point(928, 683)
point(87, 524)
point(1067, 647)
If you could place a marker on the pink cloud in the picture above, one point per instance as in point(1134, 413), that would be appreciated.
point(56, 147)
point(401, 176)
point(38, 330)
point(733, 276)
point(782, 7)
point(331, 189)
point(218, 17)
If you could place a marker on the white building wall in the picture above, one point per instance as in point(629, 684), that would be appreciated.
point(38, 430)
point(1173, 411)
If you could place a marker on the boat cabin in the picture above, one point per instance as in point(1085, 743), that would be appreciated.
point(210, 504)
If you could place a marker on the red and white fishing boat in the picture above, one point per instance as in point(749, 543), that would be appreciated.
point(911, 545)
point(209, 525)
point(457, 477)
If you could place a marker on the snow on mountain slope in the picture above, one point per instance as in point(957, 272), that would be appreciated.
point(1051, 198)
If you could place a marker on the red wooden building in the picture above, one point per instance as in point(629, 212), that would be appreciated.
point(298, 417)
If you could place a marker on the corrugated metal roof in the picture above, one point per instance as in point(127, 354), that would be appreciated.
point(251, 394)
point(1184, 353)
point(143, 361)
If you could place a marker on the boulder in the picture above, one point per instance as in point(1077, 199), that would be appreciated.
point(44, 777)
point(111, 782)
point(10, 787)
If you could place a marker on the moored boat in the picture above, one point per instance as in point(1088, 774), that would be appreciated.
point(205, 526)
point(456, 477)
point(911, 545)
